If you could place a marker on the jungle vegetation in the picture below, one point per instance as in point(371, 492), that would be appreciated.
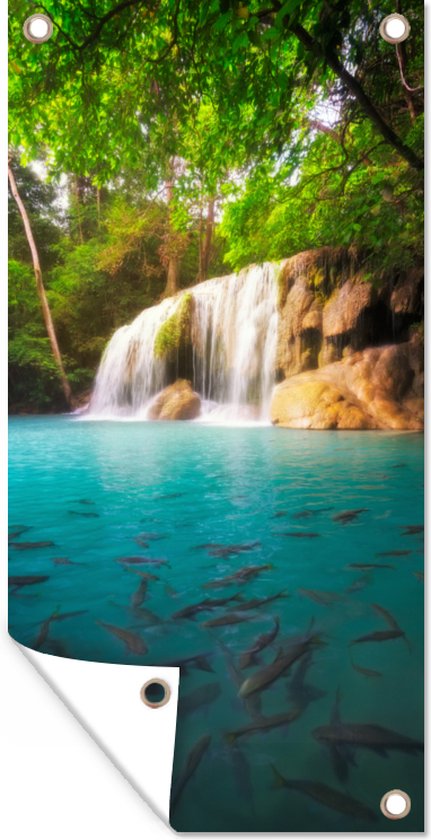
point(155, 143)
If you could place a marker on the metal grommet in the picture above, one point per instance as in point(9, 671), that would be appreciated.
point(155, 693)
point(395, 804)
point(394, 28)
point(38, 28)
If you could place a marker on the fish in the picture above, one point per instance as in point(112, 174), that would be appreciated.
point(394, 553)
point(379, 636)
point(391, 622)
point(200, 661)
point(252, 705)
point(359, 584)
point(138, 596)
point(348, 515)
point(263, 725)
point(262, 679)
point(304, 534)
point(169, 496)
point(46, 624)
point(27, 546)
point(141, 542)
point(327, 796)
point(150, 535)
point(367, 672)
point(90, 514)
point(303, 514)
point(64, 561)
point(412, 529)
point(249, 657)
point(140, 561)
point(133, 642)
point(341, 754)
point(16, 531)
point(204, 606)
point(367, 736)
point(227, 618)
point(370, 566)
point(193, 760)
point(86, 502)
point(148, 617)
point(259, 602)
point(229, 550)
point(321, 597)
point(241, 576)
point(300, 694)
point(144, 575)
point(204, 695)
point(18, 581)
point(280, 514)
point(386, 615)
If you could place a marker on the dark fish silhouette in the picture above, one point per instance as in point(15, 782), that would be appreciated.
point(204, 606)
point(359, 584)
point(139, 595)
point(325, 795)
point(260, 602)
point(229, 550)
point(300, 534)
point(85, 514)
point(46, 624)
point(367, 736)
point(141, 561)
point(18, 581)
point(227, 618)
point(366, 566)
point(367, 672)
point(348, 515)
point(252, 705)
point(390, 621)
point(150, 535)
point(16, 531)
point(241, 576)
point(263, 678)
point(86, 502)
point(193, 760)
point(412, 529)
point(204, 695)
point(141, 542)
point(300, 694)
point(249, 657)
point(320, 597)
point(394, 553)
point(379, 636)
point(27, 546)
point(64, 561)
point(280, 514)
point(263, 725)
point(132, 641)
point(169, 496)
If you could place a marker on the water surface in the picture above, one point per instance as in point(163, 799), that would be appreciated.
point(94, 489)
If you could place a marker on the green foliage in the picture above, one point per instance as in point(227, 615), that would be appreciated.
point(174, 330)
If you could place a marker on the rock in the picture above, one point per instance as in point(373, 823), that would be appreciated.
point(345, 307)
point(376, 388)
point(176, 402)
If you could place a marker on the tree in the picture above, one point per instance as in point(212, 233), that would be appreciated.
point(49, 324)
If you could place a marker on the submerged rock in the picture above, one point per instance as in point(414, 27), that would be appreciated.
point(176, 402)
point(377, 388)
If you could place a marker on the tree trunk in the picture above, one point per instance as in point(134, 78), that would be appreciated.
point(205, 256)
point(41, 291)
point(172, 260)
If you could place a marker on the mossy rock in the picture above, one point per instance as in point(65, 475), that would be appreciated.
point(175, 330)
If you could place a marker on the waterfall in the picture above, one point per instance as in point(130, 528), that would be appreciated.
point(234, 327)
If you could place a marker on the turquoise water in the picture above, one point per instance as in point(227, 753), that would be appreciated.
point(93, 487)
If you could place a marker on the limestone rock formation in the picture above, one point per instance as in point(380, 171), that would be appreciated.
point(176, 402)
point(377, 388)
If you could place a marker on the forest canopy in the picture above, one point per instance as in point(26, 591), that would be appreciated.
point(155, 144)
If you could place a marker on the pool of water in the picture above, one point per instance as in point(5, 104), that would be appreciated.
point(195, 504)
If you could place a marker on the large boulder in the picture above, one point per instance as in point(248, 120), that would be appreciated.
point(377, 388)
point(176, 402)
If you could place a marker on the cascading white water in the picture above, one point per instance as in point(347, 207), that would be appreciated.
point(234, 336)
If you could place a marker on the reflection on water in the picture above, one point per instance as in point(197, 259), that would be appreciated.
point(116, 528)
